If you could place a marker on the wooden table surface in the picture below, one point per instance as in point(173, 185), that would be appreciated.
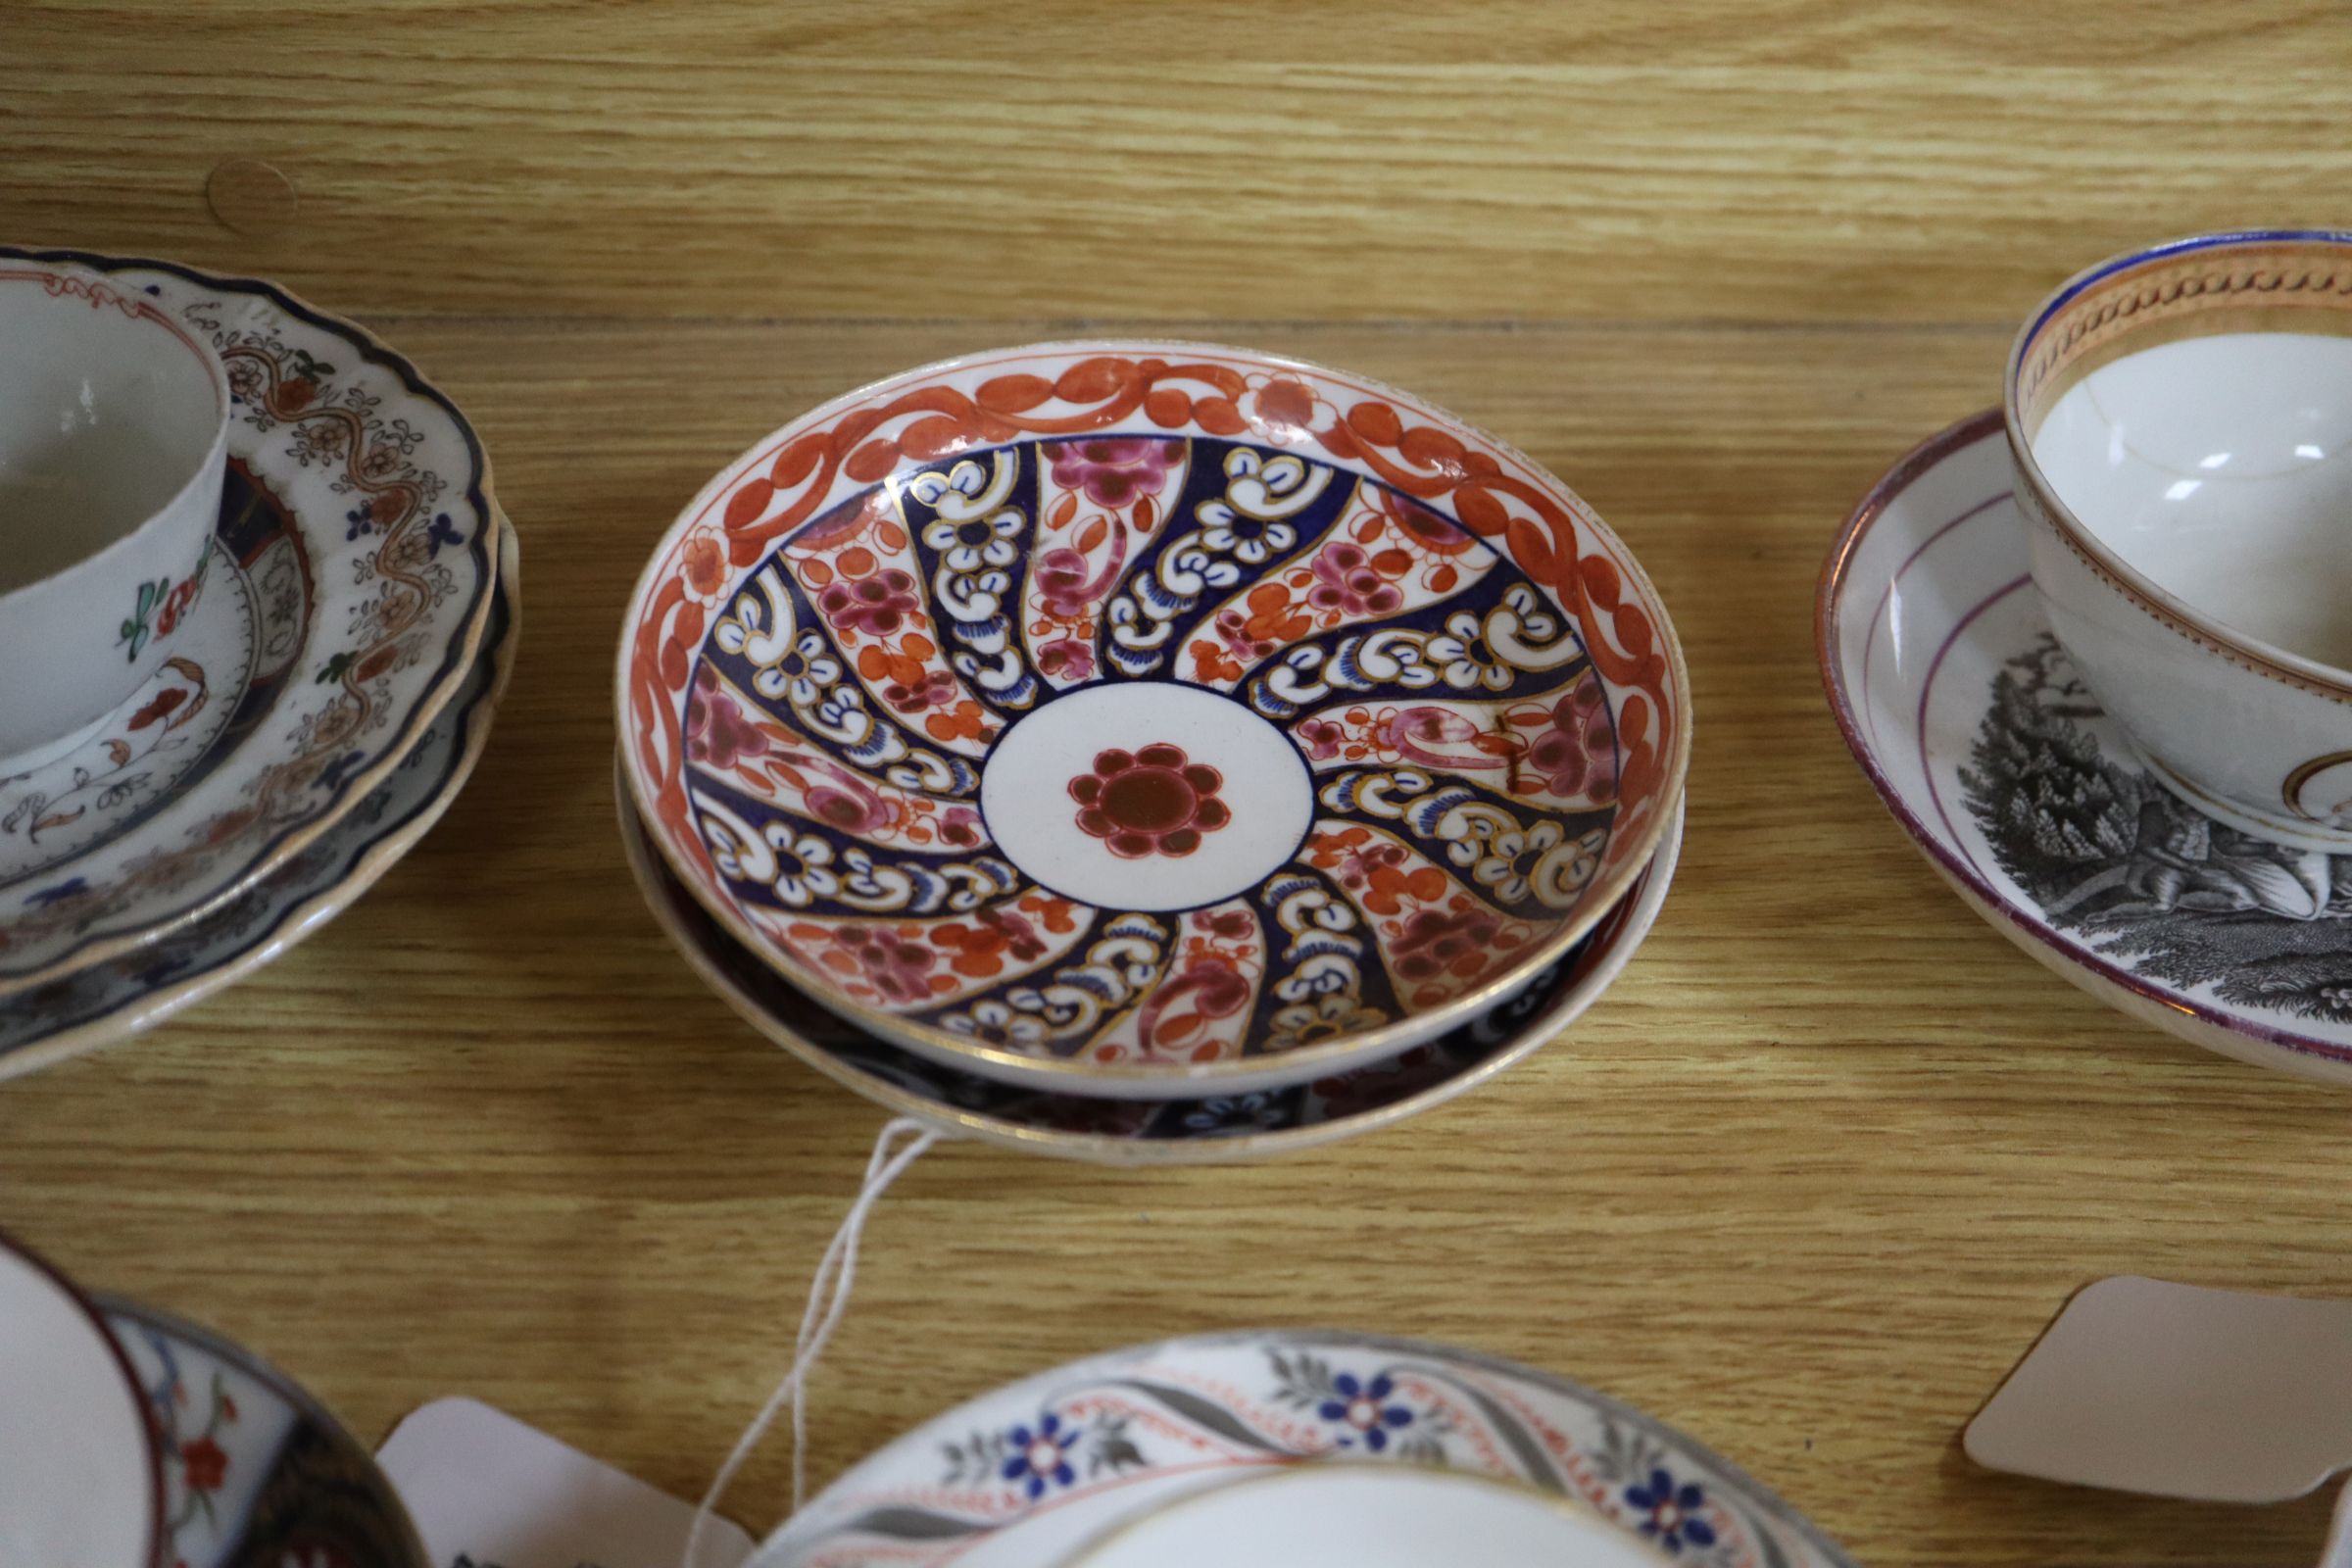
point(1805, 1183)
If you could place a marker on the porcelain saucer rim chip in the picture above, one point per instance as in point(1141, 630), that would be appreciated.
point(2215, 1025)
point(1652, 808)
point(817, 1526)
point(357, 873)
point(126, 933)
point(305, 1405)
point(1643, 903)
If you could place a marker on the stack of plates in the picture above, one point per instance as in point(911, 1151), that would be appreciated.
point(1148, 751)
point(335, 682)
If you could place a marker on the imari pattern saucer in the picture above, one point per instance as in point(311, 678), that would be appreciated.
point(1030, 1473)
point(340, 607)
point(1968, 719)
point(1148, 718)
point(256, 1474)
point(135, 990)
point(1220, 1127)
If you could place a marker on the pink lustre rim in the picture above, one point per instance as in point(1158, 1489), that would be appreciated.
point(1961, 871)
point(2248, 280)
point(819, 524)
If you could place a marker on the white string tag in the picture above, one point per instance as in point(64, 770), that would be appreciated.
point(829, 1299)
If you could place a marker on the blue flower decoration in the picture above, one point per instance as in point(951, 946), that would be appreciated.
point(62, 889)
point(332, 775)
point(1039, 1457)
point(442, 532)
point(1673, 1512)
point(1364, 1406)
point(361, 518)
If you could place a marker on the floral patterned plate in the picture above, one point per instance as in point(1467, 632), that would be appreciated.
point(131, 991)
point(339, 609)
point(1219, 1127)
point(256, 1474)
point(1996, 758)
point(1148, 719)
point(1027, 1474)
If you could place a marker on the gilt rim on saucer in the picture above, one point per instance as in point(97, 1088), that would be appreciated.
point(107, 934)
point(651, 755)
point(1618, 938)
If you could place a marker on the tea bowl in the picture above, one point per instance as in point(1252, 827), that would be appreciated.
point(1148, 719)
point(80, 1474)
point(2177, 422)
point(113, 430)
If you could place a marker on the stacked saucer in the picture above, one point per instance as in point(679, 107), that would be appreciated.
point(332, 666)
point(1148, 751)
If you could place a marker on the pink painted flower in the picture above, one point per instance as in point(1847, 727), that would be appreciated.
point(1347, 584)
point(1320, 738)
point(1436, 941)
point(1113, 471)
point(852, 809)
point(936, 689)
point(1577, 754)
point(1150, 802)
point(1065, 658)
point(877, 606)
point(718, 731)
point(899, 968)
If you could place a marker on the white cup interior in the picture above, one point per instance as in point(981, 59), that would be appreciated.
point(2218, 467)
point(105, 416)
point(1368, 1516)
point(76, 1466)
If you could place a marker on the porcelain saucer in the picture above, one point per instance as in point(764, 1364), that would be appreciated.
point(1148, 718)
point(1034, 1471)
point(1992, 754)
point(132, 991)
point(1214, 1128)
point(256, 1473)
point(339, 609)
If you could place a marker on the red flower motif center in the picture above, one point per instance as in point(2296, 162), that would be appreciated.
point(1152, 802)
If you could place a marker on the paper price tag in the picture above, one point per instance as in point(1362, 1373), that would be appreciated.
point(488, 1492)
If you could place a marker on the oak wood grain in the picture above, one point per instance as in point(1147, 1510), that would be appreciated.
point(1674, 160)
point(1805, 1183)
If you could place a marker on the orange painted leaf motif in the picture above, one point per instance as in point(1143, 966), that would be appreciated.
point(1531, 550)
point(745, 505)
point(1093, 534)
point(1092, 381)
point(1013, 394)
point(1064, 510)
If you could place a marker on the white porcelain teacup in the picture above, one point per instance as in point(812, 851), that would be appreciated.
point(81, 1480)
point(1368, 1516)
point(2180, 425)
point(114, 432)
